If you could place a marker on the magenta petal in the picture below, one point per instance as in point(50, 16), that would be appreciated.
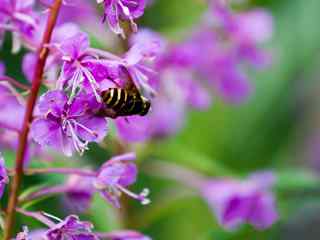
point(117, 173)
point(52, 102)
point(91, 128)
point(133, 129)
point(74, 46)
point(48, 133)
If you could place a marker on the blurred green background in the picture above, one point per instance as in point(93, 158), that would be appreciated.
point(276, 129)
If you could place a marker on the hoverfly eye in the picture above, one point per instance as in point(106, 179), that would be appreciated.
point(146, 108)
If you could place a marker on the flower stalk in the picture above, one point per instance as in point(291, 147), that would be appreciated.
point(43, 52)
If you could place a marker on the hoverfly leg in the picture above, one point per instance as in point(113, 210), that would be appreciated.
point(127, 120)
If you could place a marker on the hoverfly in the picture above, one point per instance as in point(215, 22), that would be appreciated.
point(124, 102)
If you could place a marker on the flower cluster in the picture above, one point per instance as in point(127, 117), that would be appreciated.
point(67, 116)
point(230, 42)
point(72, 111)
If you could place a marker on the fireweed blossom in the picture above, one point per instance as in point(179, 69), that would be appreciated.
point(116, 11)
point(115, 176)
point(176, 91)
point(93, 70)
point(248, 201)
point(76, 69)
point(111, 180)
point(67, 117)
point(183, 75)
point(224, 67)
point(67, 127)
point(246, 31)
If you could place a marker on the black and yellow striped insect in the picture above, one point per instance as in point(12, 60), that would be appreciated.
point(124, 102)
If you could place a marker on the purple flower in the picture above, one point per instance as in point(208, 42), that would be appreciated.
point(122, 10)
point(71, 228)
point(245, 31)
point(126, 235)
point(4, 179)
point(79, 193)
point(67, 126)
point(249, 201)
point(255, 27)
point(81, 70)
point(115, 176)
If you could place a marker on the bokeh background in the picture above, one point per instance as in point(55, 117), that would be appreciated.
point(277, 129)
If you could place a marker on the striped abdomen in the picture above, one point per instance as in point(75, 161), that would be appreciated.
point(125, 103)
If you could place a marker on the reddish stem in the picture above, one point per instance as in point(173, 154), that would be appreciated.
point(23, 136)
